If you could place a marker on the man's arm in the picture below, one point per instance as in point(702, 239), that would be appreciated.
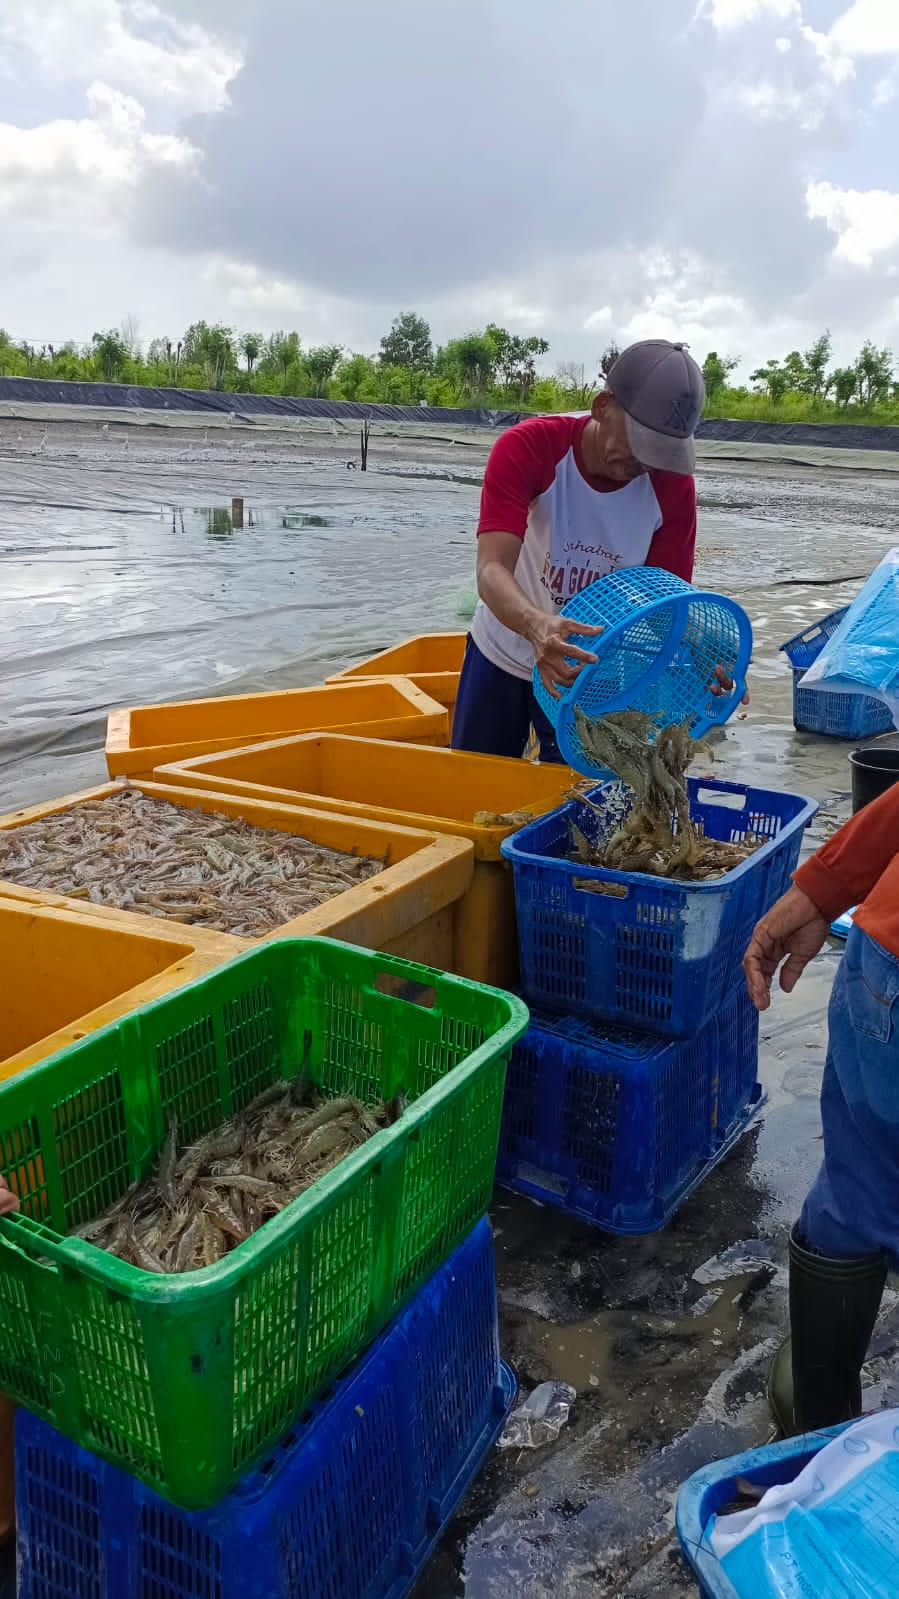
point(521, 467)
point(674, 545)
point(498, 554)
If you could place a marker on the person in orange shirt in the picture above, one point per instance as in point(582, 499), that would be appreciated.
point(848, 1231)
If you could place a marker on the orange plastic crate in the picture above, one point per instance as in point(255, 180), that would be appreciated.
point(406, 909)
point(408, 785)
point(144, 737)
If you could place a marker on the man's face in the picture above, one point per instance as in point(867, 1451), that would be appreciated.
point(617, 461)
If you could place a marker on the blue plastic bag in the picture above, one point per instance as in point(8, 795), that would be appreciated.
point(842, 927)
point(833, 1532)
point(862, 656)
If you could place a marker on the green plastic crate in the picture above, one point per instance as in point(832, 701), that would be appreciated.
point(187, 1381)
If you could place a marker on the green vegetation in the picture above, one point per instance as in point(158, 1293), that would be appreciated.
point(491, 367)
point(803, 387)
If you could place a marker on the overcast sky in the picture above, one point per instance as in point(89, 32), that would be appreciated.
point(723, 171)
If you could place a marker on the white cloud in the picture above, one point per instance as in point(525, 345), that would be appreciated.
point(734, 13)
point(134, 45)
point(868, 28)
point(82, 169)
point(866, 222)
point(673, 173)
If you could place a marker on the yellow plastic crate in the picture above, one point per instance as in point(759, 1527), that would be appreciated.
point(68, 971)
point(403, 784)
point(440, 686)
point(144, 737)
point(426, 652)
point(407, 909)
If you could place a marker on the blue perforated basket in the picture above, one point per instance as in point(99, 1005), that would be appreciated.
point(817, 709)
point(661, 643)
point(705, 1494)
point(347, 1506)
point(647, 952)
point(618, 1127)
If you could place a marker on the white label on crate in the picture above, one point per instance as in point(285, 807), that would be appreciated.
point(700, 920)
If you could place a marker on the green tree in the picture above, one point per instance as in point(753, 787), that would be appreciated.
point(356, 378)
point(796, 372)
point(816, 359)
point(515, 359)
point(250, 346)
point(771, 379)
point(874, 374)
point(716, 369)
point(396, 385)
point(110, 355)
point(211, 347)
point(6, 353)
point(321, 364)
point(408, 343)
point(68, 363)
point(844, 382)
point(282, 351)
point(546, 396)
point(469, 364)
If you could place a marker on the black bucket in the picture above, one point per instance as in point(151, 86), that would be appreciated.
point(875, 768)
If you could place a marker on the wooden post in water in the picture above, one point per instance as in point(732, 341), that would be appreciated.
point(366, 428)
point(237, 511)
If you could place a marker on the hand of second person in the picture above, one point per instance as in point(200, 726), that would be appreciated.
point(558, 661)
point(793, 931)
point(8, 1200)
point(723, 683)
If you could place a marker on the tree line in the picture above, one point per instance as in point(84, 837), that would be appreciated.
point(492, 367)
point(805, 382)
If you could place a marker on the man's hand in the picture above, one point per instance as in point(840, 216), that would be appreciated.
point(548, 634)
point(793, 930)
point(723, 683)
point(8, 1200)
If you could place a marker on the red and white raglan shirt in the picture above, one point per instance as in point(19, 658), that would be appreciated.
point(574, 528)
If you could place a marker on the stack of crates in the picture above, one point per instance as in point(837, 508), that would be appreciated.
point(303, 1416)
point(817, 709)
point(640, 1067)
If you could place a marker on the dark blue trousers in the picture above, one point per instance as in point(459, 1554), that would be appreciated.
point(496, 711)
point(853, 1206)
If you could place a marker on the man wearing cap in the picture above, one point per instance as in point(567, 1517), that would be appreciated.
point(565, 500)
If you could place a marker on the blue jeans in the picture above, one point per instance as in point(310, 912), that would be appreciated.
point(853, 1205)
point(495, 711)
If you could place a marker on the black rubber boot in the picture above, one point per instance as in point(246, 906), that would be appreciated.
point(815, 1379)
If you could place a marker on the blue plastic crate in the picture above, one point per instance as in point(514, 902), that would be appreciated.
point(805, 647)
point(348, 1506)
point(819, 710)
point(647, 952)
point(707, 1492)
point(618, 1127)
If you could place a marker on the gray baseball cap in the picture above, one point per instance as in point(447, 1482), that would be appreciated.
point(661, 391)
